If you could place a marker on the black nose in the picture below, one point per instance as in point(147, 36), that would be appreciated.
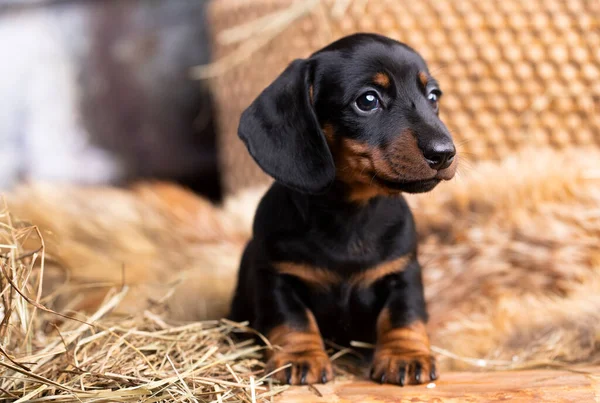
point(439, 155)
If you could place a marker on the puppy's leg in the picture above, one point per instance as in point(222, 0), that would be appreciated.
point(292, 330)
point(402, 353)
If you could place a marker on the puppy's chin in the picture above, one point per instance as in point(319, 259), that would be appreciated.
point(418, 186)
point(421, 186)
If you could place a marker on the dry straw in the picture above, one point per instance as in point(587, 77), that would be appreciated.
point(50, 356)
point(256, 34)
point(47, 356)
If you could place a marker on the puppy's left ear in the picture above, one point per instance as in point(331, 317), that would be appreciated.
point(282, 133)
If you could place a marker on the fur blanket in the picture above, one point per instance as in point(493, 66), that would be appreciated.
point(511, 253)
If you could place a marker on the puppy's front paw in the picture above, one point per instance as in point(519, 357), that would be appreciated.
point(401, 369)
point(306, 368)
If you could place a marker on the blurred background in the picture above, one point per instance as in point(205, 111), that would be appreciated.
point(99, 92)
point(113, 91)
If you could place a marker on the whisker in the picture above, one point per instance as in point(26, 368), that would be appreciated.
point(466, 154)
point(363, 170)
point(462, 142)
point(371, 183)
point(463, 171)
point(466, 165)
point(466, 162)
point(439, 68)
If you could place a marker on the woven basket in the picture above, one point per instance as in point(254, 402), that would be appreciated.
point(514, 72)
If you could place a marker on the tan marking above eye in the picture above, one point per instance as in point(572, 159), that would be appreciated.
point(423, 78)
point(382, 79)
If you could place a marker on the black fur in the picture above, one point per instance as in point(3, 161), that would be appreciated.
point(283, 135)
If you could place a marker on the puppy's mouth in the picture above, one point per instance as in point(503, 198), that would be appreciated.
point(417, 186)
point(431, 178)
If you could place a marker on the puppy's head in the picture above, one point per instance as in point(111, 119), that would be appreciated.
point(363, 111)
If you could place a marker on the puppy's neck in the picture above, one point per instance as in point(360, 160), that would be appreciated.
point(335, 216)
point(342, 199)
point(355, 195)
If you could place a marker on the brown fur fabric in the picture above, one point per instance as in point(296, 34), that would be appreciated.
point(164, 242)
point(511, 253)
point(512, 257)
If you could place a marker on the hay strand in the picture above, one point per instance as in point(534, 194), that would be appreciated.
point(251, 37)
point(104, 358)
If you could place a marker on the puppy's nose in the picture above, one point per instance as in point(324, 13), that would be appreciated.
point(439, 154)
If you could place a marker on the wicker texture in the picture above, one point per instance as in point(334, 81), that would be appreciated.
point(514, 72)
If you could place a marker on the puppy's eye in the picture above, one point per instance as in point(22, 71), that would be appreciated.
point(433, 99)
point(367, 102)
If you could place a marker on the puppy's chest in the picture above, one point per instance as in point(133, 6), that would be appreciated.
point(345, 279)
point(355, 258)
point(346, 312)
point(361, 245)
point(347, 249)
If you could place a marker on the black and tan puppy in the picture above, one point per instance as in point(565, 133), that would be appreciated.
point(334, 248)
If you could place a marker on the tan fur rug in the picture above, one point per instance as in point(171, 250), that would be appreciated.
point(511, 253)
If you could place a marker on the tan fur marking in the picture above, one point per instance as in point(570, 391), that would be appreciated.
point(359, 164)
point(355, 167)
point(369, 277)
point(311, 91)
point(382, 164)
point(423, 78)
point(402, 347)
point(408, 158)
point(323, 278)
point(299, 347)
point(411, 340)
point(382, 79)
point(362, 193)
point(314, 276)
point(329, 132)
point(297, 341)
point(356, 148)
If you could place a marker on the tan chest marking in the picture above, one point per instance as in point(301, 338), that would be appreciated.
point(323, 278)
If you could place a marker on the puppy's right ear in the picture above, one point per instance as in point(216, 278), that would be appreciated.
point(282, 133)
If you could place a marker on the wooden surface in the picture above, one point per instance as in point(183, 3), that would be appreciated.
point(523, 386)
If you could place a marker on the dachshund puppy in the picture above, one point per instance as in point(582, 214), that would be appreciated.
point(334, 248)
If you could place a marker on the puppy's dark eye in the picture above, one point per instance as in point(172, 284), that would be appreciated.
point(367, 102)
point(433, 99)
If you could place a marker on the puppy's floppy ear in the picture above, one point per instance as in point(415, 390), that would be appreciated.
point(282, 133)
